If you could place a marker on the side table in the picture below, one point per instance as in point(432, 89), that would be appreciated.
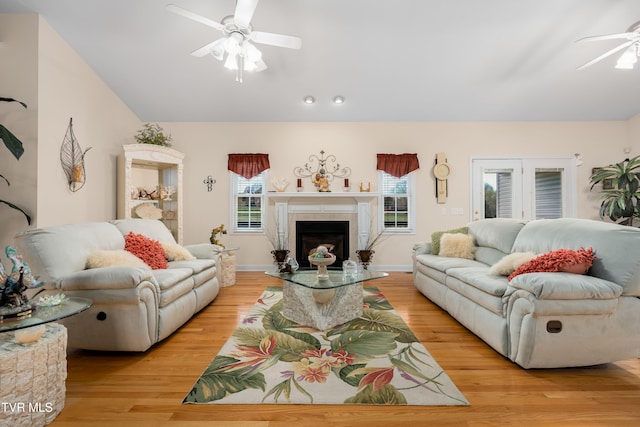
point(32, 378)
point(33, 375)
point(228, 266)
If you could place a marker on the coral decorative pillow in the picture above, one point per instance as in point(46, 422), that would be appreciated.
point(150, 251)
point(509, 263)
point(435, 238)
point(564, 260)
point(175, 252)
point(457, 246)
point(116, 257)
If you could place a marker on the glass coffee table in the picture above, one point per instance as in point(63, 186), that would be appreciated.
point(324, 303)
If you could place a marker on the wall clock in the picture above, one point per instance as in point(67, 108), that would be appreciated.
point(441, 170)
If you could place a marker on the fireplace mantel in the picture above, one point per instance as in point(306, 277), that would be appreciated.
point(358, 203)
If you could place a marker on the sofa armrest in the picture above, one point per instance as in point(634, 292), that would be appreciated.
point(564, 286)
point(205, 250)
point(117, 277)
point(421, 248)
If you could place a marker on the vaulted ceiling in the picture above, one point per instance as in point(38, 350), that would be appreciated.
point(392, 60)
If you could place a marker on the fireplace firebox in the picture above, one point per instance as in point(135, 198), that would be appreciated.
point(311, 234)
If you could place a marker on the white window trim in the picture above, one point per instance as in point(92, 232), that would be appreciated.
point(233, 184)
point(411, 191)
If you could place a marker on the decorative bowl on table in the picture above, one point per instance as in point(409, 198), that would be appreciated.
point(322, 258)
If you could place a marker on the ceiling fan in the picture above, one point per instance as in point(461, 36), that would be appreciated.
point(241, 54)
point(632, 46)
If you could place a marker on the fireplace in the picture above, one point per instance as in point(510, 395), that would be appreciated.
point(311, 234)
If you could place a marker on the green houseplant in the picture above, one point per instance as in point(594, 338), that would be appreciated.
point(621, 190)
point(152, 133)
point(14, 145)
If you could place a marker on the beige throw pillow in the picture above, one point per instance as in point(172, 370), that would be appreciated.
point(175, 252)
point(509, 263)
point(457, 246)
point(115, 257)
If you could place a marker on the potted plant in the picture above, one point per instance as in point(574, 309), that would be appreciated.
point(152, 133)
point(621, 198)
point(279, 242)
point(366, 254)
point(14, 145)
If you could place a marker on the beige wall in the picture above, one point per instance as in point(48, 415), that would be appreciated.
point(68, 87)
point(38, 67)
point(355, 144)
point(41, 69)
point(18, 79)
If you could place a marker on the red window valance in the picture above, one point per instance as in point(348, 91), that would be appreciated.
point(248, 165)
point(398, 165)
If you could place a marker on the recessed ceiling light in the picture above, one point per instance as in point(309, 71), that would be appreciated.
point(309, 99)
point(338, 99)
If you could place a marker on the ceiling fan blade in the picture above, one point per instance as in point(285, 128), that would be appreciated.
point(244, 12)
point(606, 54)
point(207, 49)
point(276, 40)
point(195, 17)
point(628, 36)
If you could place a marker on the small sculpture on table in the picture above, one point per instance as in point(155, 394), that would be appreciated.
point(13, 301)
point(214, 235)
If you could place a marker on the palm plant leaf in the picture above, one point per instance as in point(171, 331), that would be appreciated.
point(11, 205)
point(11, 142)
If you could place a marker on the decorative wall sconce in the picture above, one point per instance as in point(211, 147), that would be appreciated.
point(322, 170)
point(72, 159)
point(209, 182)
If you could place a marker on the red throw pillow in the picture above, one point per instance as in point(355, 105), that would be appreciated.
point(150, 251)
point(564, 260)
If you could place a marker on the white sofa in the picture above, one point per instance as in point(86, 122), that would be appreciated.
point(543, 320)
point(133, 307)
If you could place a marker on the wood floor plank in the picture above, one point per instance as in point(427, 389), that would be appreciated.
point(146, 389)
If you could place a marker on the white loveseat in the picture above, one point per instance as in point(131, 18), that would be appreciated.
point(543, 320)
point(133, 307)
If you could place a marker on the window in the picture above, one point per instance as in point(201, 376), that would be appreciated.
point(247, 208)
point(396, 205)
point(534, 188)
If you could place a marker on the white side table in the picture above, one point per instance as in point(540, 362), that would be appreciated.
point(228, 265)
point(32, 378)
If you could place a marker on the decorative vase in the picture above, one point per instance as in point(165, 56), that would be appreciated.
point(365, 256)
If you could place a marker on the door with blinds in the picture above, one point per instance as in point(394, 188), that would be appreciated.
point(532, 188)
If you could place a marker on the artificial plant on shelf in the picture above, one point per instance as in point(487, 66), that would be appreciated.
point(14, 145)
point(152, 133)
point(621, 202)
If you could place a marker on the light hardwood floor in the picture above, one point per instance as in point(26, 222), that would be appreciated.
point(132, 389)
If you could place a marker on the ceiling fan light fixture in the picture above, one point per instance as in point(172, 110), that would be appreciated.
point(628, 58)
point(338, 99)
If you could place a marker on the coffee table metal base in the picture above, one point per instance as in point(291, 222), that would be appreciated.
point(321, 308)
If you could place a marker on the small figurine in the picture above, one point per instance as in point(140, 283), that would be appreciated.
point(321, 183)
point(214, 233)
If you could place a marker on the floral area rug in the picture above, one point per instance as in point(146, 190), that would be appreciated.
point(374, 359)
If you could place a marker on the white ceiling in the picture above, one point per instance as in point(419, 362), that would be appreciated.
point(393, 60)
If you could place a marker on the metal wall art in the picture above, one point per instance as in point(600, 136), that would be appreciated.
point(72, 159)
point(322, 170)
point(209, 181)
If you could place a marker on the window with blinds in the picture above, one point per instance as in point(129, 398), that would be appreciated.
point(248, 206)
point(396, 202)
point(548, 193)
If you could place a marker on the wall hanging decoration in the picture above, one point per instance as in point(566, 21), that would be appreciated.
point(322, 170)
point(209, 182)
point(72, 159)
point(441, 170)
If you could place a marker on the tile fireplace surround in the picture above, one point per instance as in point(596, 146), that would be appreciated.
point(357, 208)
